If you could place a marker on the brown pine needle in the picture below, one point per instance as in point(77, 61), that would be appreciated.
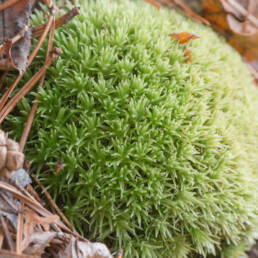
point(29, 122)
point(3, 100)
point(19, 230)
point(28, 86)
point(53, 204)
point(7, 234)
point(8, 4)
point(38, 30)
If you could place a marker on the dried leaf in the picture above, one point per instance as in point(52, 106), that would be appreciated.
point(183, 37)
point(237, 20)
point(39, 241)
point(15, 19)
point(80, 249)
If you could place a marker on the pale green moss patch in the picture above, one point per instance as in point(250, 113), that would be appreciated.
point(160, 156)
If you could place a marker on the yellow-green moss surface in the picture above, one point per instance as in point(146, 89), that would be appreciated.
point(160, 156)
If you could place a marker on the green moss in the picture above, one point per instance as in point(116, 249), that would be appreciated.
point(160, 156)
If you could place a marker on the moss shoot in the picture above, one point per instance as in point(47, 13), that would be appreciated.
point(159, 155)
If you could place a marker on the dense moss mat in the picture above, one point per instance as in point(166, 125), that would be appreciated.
point(160, 155)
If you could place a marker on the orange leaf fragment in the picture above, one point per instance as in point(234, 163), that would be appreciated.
point(183, 37)
point(154, 3)
point(188, 54)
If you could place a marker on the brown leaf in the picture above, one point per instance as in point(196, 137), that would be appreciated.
point(38, 242)
point(6, 60)
point(79, 249)
point(237, 20)
point(14, 23)
point(183, 37)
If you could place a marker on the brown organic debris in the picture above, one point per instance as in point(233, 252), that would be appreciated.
point(29, 230)
point(15, 39)
point(237, 20)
